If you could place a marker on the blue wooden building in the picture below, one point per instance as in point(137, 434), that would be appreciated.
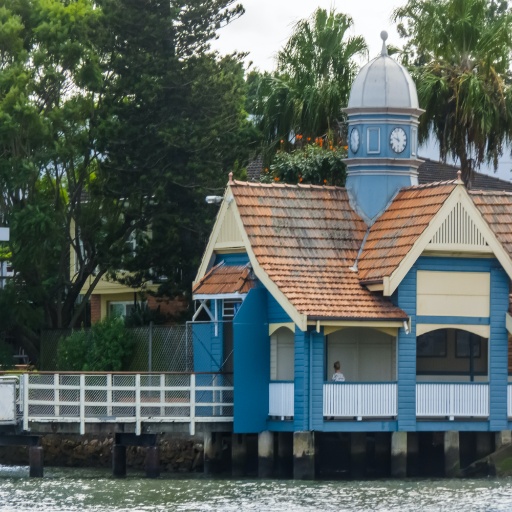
point(406, 285)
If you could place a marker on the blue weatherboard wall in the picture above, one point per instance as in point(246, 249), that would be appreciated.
point(251, 364)
point(276, 314)
point(208, 348)
point(302, 374)
point(406, 297)
point(318, 379)
point(498, 351)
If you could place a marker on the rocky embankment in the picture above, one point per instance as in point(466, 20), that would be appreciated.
point(178, 455)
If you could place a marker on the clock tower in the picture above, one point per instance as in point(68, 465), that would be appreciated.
point(383, 113)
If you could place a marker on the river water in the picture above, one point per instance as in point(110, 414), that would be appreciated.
point(73, 490)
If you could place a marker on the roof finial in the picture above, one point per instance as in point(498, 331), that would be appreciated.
point(384, 36)
point(459, 177)
point(230, 181)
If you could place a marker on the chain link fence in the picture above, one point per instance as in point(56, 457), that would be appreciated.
point(157, 349)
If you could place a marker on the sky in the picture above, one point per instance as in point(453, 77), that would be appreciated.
point(267, 24)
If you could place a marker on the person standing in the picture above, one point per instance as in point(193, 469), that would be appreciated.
point(337, 376)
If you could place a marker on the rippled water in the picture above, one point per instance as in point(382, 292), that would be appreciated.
point(73, 490)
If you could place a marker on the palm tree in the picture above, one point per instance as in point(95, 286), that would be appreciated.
point(459, 53)
point(311, 84)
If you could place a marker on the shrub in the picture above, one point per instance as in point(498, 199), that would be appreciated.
point(106, 346)
point(6, 359)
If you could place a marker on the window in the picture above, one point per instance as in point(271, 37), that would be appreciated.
point(373, 140)
point(230, 307)
point(432, 344)
point(467, 344)
point(414, 141)
point(120, 308)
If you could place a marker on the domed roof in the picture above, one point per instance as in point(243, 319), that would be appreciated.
point(383, 83)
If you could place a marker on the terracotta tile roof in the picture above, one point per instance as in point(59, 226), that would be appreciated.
point(397, 229)
point(225, 279)
point(496, 209)
point(432, 171)
point(305, 238)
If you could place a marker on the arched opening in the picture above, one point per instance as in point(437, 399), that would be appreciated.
point(452, 354)
point(282, 355)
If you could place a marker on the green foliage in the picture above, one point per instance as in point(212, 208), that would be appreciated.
point(6, 359)
point(114, 119)
point(311, 164)
point(459, 53)
point(311, 85)
point(106, 346)
point(142, 314)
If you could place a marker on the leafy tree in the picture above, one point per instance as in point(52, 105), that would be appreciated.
point(114, 118)
point(459, 54)
point(311, 84)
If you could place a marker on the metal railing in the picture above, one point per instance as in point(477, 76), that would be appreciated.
point(126, 398)
point(450, 400)
point(281, 399)
point(360, 400)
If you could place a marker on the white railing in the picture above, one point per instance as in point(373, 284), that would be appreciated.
point(281, 400)
point(126, 398)
point(449, 400)
point(360, 400)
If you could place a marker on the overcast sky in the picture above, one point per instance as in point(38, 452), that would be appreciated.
point(267, 24)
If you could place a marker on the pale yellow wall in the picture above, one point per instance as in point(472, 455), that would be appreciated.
point(229, 232)
point(453, 293)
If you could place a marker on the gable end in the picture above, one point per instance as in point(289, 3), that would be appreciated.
point(459, 232)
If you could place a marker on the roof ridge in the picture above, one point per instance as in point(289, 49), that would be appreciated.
point(286, 185)
point(431, 184)
point(490, 192)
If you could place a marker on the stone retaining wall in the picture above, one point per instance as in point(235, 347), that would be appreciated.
point(177, 454)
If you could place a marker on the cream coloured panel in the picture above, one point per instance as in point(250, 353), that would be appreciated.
point(364, 354)
point(282, 355)
point(453, 293)
point(229, 231)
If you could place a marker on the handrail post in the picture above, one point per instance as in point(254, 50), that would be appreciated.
point(138, 429)
point(56, 395)
point(25, 380)
point(162, 395)
point(109, 394)
point(192, 398)
point(82, 404)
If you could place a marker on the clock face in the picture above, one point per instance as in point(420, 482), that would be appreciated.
point(398, 140)
point(354, 140)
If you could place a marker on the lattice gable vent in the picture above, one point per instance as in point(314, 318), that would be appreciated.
point(459, 229)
